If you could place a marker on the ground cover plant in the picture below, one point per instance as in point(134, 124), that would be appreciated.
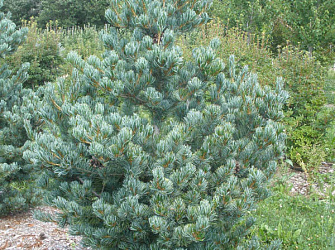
point(298, 221)
point(145, 150)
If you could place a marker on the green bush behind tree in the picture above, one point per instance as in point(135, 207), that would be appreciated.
point(68, 13)
point(42, 50)
point(46, 50)
point(307, 24)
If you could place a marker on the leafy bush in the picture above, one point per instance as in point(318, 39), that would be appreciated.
point(68, 13)
point(308, 24)
point(71, 13)
point(329, 139)
point(84, 40)
point(22, 9)
point(330, 143)
point(306, 115)
point(42, 51)
point(146, 151)
point(248, 49)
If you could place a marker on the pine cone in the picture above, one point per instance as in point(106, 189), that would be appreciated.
point(155, 39)
point(94, 162)
point(237, 167)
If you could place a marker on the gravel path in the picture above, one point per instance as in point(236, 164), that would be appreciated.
point(22, 231)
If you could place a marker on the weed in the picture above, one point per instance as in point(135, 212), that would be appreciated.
point(299, 222)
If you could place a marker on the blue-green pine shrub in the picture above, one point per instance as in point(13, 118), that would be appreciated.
point(144, 150)
point(17, 109)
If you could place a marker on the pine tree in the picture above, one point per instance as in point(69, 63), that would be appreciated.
point(16, 108)
point(143, 150)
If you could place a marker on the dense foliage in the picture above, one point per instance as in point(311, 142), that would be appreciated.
point(145, 150)
point(46, 50)
point(143, 127)
point(307, 117)
point(16, 110)
point(70, 13)
point(22, 9)
point(67, 13)
point(42, 50)
point(308, 24)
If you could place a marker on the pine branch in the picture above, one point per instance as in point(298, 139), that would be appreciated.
point(82, 182)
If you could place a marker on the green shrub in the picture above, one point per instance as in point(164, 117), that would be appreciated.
point(84, 40)
point(71, 13)
point(46, 49)
point(42, 50)
point(148, 151)
point(22, 9)
point(248, 50)
point(308, 24)
point(306, 115)
point(329, 139)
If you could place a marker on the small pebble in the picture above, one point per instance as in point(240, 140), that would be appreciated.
point(42, 236)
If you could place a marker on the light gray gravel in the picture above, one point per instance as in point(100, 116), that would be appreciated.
point(22, 231)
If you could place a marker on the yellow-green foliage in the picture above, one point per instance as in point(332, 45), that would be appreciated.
point(307, 118)
point(248, 49)
point(42, 51)
point(46, 49)
point(85, 41)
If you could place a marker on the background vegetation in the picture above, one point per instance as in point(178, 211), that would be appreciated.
point(68, 13)
point(309, 113)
